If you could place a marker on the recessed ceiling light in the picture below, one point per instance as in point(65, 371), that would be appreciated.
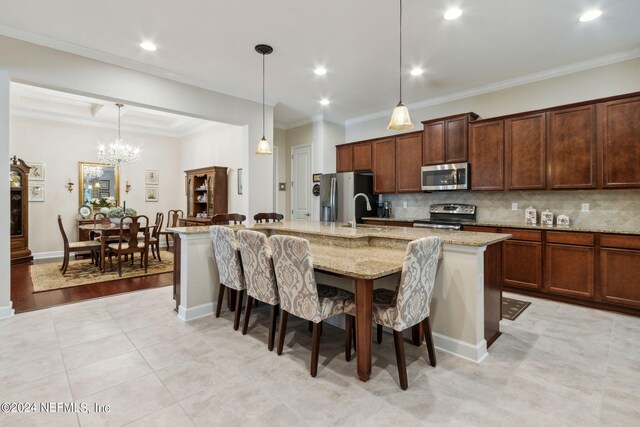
point(325, 101)
point(453, 13)
point(417, 71)
point(320, 71)
point(590, 15)
point(148, 46)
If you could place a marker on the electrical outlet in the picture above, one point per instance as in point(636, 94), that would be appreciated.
point(514, 206)
point(404, 204)
point(585, 207)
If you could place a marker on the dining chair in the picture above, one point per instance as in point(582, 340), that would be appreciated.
point(227, 218)
point(259, 276)
point(172, 221)
point(91, 246)
point(154, 238)
point(409, 304)
point(225, 250)
point(133, 237)
point(259, 217)
point(301, 296)
point(100, 218)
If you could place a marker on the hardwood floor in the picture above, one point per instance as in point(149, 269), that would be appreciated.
point(25, 300)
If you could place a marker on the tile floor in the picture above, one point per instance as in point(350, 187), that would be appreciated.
point(555, 365)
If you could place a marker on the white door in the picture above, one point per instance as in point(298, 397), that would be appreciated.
point(301, 182)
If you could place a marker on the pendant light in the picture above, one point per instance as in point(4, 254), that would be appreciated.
point(263, 145)
point(400, 119)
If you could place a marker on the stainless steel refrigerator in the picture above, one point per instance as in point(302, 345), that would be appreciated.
point(336, 196)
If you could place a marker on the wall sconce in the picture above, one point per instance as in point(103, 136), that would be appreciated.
point(70, 185)
point(127, 187)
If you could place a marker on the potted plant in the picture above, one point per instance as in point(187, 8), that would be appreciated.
point(115, 215)
point(104, 203)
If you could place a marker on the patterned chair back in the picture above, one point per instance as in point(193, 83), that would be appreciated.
point(293, 266)
point(413, 297)
point(260, 278)
point(225, 249)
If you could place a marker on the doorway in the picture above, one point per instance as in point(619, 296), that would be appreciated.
point(300, 179)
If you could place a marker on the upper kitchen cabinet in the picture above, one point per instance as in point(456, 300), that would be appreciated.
point(408, 155)
point(344, 158)
point(525, 152)
point(486, 155)
point(354, 157)
point(384, 165)
point(619, 141)
point(445, 140)
point(571, 148)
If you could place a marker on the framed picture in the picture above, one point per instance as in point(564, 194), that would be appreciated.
point(36, 192)
point(36, 173)
point(105, 194)
point(239, 181)
point(151, 177)
point(151, 194)
point(316, 177)
point(104, 185)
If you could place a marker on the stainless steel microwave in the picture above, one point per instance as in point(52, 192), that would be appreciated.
point(453, 176)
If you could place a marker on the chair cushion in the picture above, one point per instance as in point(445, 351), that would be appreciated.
point(125, 246)
point(332, 300)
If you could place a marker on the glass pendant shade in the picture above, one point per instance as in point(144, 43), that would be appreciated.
point(400, 119)
point(263, 146)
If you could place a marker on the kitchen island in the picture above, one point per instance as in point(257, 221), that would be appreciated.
point(465, 309)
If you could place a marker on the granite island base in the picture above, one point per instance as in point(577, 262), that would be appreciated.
point(466, 304)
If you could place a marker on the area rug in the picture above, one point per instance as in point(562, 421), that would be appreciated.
point(512, 308)
point(46, 277)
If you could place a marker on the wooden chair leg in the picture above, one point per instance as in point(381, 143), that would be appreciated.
point(158, 250)
point(65, 262)
point(348, 326)
point(153, 251)
point(236, 318)
point(416, 334)
point(428, 337)
point(379, 334)
point(353, 333)
point(220, 297)
point(310, 325)
point(283, 330)
point(400, 360)
point(145, 257)
point(119, 266)
point(247, 314)
point(272, 327)
point(315, 348)
point(167, 237)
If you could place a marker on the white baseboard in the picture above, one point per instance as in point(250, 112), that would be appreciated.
point(7, 311)
point(195, 312)
point(475, 353)
point(45, 255)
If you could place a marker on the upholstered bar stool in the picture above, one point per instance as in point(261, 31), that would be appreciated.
point(225, 249)
point(259, 276)
point(299, 293)
point(410, 304)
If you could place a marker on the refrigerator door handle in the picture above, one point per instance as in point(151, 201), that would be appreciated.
point(332, 199)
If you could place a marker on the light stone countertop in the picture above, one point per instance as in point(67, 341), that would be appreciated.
point(367, 262)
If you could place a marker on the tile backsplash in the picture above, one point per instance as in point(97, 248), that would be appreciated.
point(606, 207)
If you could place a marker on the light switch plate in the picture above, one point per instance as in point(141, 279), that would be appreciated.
point(404, 204)
point(514, 206)
point(585, 207)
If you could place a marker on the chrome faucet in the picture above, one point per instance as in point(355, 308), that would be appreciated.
point(353, 224)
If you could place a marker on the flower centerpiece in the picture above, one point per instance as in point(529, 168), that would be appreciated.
point(104, 203)
point(115, 215)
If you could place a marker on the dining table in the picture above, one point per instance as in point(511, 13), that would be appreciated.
point(106, 230)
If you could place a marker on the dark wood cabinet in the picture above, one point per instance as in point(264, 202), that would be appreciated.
point(390, 223)
point(569, 264)
point(571, 148)
point(525, 152)
point(619, 140)
point(206, 191)
point(344, 158)
point(522, 256)
point(384, 165)
point(486, 155)
point(620, 269)
point(19, 211)
point(362, 156)
point(408, 155)
point(445, 140)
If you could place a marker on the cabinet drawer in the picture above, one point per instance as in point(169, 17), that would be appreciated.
point(518, 234)
point(479, 229)
point(400, 223)
point(618, 241)
point(570, 238)
point(373, 222)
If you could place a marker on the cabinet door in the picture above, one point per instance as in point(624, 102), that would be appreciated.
point(479, 229)
point(344, 158)
point(572, 148)
point(408, 155)
point(619, 134)
point(620, 276)
point(362, 156)
point(455, 142)
point(433, 143)
point(399, 223)
point(384, 165)
point(525, 143)
point(486, 155)
point(190, 196)
point(522, 264)
point(570, 270)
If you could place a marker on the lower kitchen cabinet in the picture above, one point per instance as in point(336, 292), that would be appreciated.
point(391, 223)
point(522, 266)
point(570, 270)
point(620, 269)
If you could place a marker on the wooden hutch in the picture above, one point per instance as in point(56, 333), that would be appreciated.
point(206, 191)
point(19, 211)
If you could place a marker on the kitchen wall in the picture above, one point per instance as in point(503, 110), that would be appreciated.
point(280, 141)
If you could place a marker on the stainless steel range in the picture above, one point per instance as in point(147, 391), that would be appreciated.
point(449, 216)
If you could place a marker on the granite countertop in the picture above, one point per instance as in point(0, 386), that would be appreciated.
point(362, 263)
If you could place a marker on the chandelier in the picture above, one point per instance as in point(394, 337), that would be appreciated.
point(92, 172)
point(118, 153)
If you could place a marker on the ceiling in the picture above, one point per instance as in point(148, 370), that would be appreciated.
point(211, 43)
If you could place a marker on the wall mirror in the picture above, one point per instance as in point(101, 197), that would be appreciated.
point(98, 180)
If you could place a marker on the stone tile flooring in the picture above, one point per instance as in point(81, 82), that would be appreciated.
point(557, 364)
